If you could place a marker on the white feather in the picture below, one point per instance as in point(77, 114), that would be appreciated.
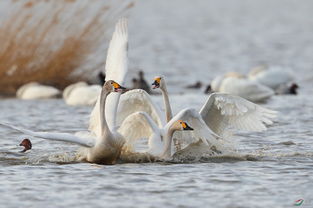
point(34, 90)
point(221, 112)
point(86, 141)
point(139, 100)
point(115, 69)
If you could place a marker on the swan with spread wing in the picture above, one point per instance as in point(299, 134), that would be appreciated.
point(102, 146)
point(219, 117)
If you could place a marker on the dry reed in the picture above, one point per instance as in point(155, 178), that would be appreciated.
point(55, 42)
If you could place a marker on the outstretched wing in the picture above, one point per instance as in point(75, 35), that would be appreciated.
point(200, 132)
point(223, 112)
point(136, 126)
point(139, 100)
point(65, 137)
point(115, 69)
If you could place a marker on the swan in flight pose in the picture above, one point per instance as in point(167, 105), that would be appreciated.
point(236, 84)
point(103, 146)
point(222, 112)
point(81, 93)
point(34, 90)
point(279, 79)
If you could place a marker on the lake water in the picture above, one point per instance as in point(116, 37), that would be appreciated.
point(185, 41)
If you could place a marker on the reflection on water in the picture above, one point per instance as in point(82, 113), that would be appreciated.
point(268, 169)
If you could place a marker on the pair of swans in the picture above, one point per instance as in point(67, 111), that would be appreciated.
point(118, 121)
point(219, 116)
point(103, 144)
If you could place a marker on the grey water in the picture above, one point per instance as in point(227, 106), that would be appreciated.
point(186, 41)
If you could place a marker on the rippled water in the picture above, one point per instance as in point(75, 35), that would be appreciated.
point(188, 42)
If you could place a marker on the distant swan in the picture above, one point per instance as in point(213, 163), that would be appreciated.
point(236, 84)
point(34, 90)
point(281, 80)
point(81, 93)
point(105, 145)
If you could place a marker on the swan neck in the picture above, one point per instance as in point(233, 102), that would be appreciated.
point(167, 143)
point(104, 126)
point(168, 110)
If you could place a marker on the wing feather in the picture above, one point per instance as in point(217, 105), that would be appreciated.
point(116, 69)
point(65, 137)
point(200, 132)
point(139, 100)
point(223, 112)
point(137, 126)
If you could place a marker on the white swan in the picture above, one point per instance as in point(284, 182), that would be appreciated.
point(159, 82)
point(81, 93)
point(104, 149)
point(279, 79)
point(236, 84)
point(34, 90)
point(222, 111)
point(160, 138)
point(104, 146)
point(218, 116)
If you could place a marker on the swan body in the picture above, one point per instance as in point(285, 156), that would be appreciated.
point(240, 86)
point(35, 90)
point(160, 139)
point(276, 78)
point(105, 146)
point(219, 115)
point(80, 93)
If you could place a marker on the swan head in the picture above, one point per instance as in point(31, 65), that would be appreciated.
point(112, 86)
point(26, 144)
point(181, 125)
point(158, 83)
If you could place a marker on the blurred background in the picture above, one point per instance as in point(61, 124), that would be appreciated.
point(61, 42)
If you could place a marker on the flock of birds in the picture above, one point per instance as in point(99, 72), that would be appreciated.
point(261, 83)
point(119, 120)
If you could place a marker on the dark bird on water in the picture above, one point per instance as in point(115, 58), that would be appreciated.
point(141, 83)
point(197, 85)
point(26, 143)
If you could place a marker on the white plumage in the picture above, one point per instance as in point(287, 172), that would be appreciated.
point(103, 146)
point(35, 90)
point(115, 69)
point(80, 94)
point(273, 77)
point(240, 86)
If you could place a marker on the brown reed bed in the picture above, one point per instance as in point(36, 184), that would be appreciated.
point(55, 42)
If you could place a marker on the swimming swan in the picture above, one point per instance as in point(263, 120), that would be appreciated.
point(104, 149)
point(34, 90)
point(160, 139)
point(103, 146)
point(81, 93)
point(279, 79)
point(219, 116)
point(236, 84)
point(223, 111)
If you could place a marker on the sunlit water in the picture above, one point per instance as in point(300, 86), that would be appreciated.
point(188, 42)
